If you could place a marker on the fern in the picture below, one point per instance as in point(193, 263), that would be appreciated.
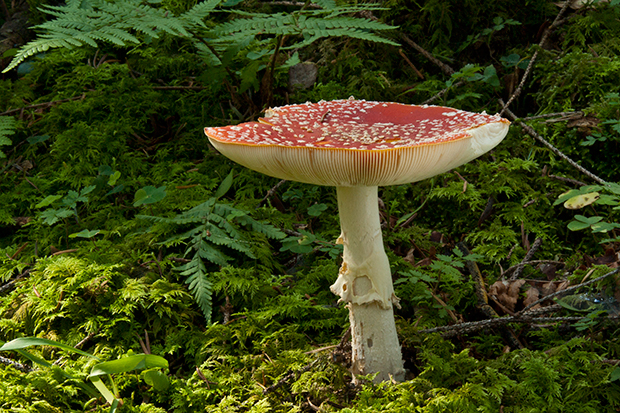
point(219, 225)
point(311, 28)
point(89, 22)
point(7, 127)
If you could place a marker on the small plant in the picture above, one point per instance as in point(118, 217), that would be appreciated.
point(7, 127)
point(63, 207)
point(151, 364)
point(219, 225)
point(590, 195)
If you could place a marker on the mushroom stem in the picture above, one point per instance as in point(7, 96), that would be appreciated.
point(365, 283)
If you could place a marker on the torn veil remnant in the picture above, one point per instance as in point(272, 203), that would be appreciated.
point(356, 146)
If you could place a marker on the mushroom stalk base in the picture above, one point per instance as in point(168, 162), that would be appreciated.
point(365, 283)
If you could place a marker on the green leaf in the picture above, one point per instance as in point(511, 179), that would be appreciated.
point(149, 195)
point(85, 233)
point(316, 209)
point(37, 139)
point(224, 186)
point(23, 342)
point(113, 178)
point(581, 200)
point(615, 374)
point(103, 389)
point(156, 379)
point(48, 200)
point(127, 364)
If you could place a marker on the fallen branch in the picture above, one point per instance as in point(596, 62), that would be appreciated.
point(290, 376)
point(519, 89)
point(530, 131)
point(19, 366)
point(444, 67)
point(569, 289)
point(527, 258)
point(272, 191)
point(41, 105)
point(524, 263)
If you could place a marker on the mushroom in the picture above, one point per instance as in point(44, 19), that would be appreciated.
point(356, 146)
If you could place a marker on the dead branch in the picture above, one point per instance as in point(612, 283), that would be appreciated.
point(483, 300)
point(530, 131)
point(549, 30)
point(524, 263)
point(519, 268)
point(271, 192)
point(569, 289)
point(290, 376)
point(42, 105)
point(466, 328)
point(551, 115)
point(569, 180)
point(444, 67)
point(19, 366)
point(441, 93)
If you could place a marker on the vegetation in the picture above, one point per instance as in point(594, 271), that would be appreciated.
point(129, 248)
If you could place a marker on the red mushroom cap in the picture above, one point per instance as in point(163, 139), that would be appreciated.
point(356, 142)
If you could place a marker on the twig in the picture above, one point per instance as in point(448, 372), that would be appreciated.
point(444, 67)
point(530, 131)
point(290, 376)
point(5, 9)
point(464, 328)
point(519, 268)
point(569, 180)
point(483, 299)
point(442, 92)
point(40, 105)
point(519, 89)
point(180, 87)
point(272, 191)
point(524, 263)
point(19, 366)
point(411, 65)
point(551, 115)
point(569, 289)
point(11, 283)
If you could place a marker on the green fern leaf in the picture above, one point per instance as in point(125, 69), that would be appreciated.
point(199, 284)
point(7, 127)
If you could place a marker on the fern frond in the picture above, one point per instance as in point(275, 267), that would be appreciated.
point(7, 127)
point(199, 284)
point(325, 4)
point(76, 24)
point(196, 14)
point(211, 254)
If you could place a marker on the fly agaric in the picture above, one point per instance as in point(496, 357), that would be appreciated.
point(356, 146)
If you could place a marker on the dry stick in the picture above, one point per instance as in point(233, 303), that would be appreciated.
point(524, 262)
point(272, 191)
point(19, 366)
point(530, 131)
point(555, 23)
point(39, 105)
point(483, 300)
point(442, 92)
point(524, 316)
point(415, 69)
point(527, 258)
point(444, 67)
point(465, 328)
point(551, 115)
point(569, 289)
point(569, 180)
point(290, 376)
point(5, 9)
